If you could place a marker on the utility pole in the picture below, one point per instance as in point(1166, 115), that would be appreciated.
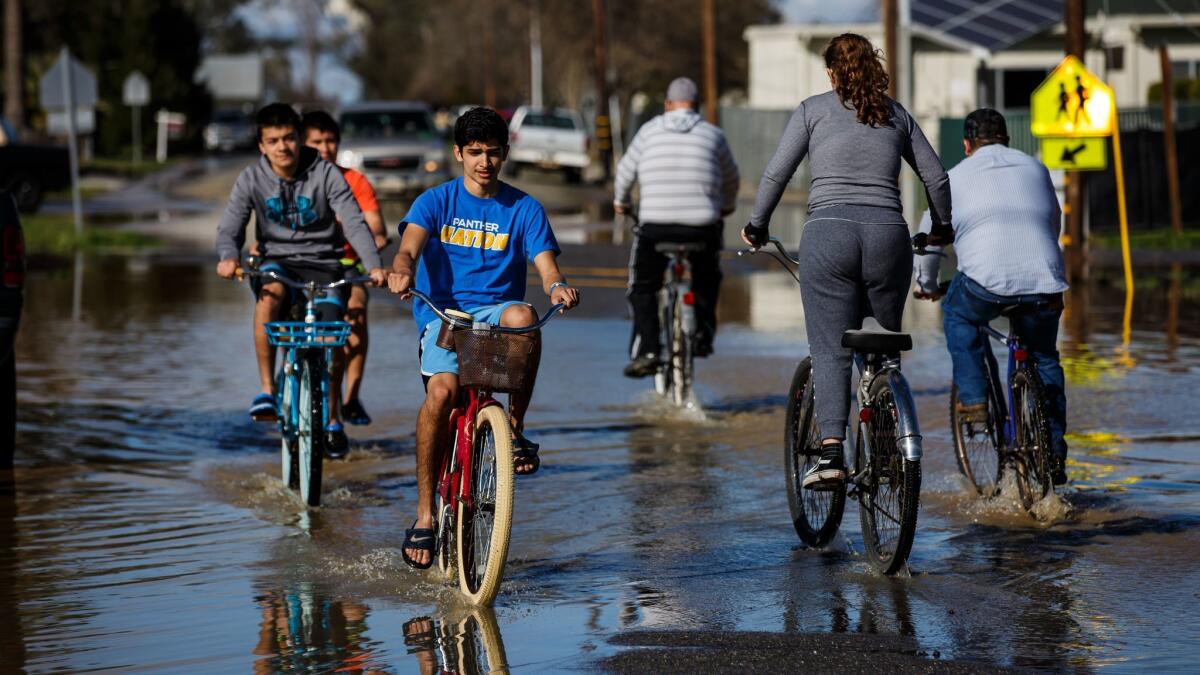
point(603, 130)
point(14, 86)
point(1075, 251)
point(535, 54)
point(489, 56)
point(888, 15)
point(1168, 113)
point(708, 9)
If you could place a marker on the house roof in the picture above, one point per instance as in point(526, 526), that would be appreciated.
point(990, 24)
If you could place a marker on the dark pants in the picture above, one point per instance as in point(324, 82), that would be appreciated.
point(646, 269)
point(968, 306)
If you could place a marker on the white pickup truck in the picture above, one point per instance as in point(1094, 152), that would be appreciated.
point(549, 139)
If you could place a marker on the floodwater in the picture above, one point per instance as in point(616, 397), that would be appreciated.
point(145, 528)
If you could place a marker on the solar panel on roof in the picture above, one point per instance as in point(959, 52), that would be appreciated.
point(991, 24)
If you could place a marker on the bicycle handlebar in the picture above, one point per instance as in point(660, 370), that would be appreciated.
point(782, 256)
point(301, 285)
point(920, 241)
point(502, 329)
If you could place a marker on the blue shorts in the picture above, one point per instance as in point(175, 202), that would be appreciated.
point(436, 360)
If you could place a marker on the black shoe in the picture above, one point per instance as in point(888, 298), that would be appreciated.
point(643, 366)
point(354, 413)
point(1058, 474)
point(830, 470)
point(703, 349)
point(336, 443)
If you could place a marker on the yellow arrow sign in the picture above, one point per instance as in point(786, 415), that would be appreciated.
point(1075, 154)
point(1072, 102)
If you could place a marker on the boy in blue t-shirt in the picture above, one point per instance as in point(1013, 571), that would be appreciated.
point(472, 237)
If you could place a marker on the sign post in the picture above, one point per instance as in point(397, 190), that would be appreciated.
point(68, 89)
point(135, 93)
point(1072, 111)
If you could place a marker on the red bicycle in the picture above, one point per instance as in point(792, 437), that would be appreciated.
point(473, 520)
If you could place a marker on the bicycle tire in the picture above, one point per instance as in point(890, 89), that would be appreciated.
point(309, 434)
point(289, 466)
point(480, 646)
point(978, 450)
point(1032, 450)
point(444, 555)
point(681, 357)
point(816, 514)
point(890, 496)
point(480, 572)
point(666, 322)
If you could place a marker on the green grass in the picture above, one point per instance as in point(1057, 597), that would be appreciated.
point(1159, 240)
point(55, 235)
point(124, 166)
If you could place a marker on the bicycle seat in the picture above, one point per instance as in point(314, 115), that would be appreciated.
point(875, 339)
point(679, 246)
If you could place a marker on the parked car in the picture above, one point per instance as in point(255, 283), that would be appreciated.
point(12, 284)
point(230, 129)
point(549, 139)
point(395, 144)
point(28, 170)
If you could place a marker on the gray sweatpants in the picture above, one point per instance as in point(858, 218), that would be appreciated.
point(849, 270)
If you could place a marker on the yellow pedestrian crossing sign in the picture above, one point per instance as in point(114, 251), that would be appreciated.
point(1075, 154)
point(1072, 102)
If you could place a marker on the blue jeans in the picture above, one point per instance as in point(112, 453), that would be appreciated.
point(969, 306)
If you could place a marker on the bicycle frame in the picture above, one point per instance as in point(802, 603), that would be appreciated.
point(1018, 359)
point(872, 366)
point(454, 483)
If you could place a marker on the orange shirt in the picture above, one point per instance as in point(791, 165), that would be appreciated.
point(365, 194)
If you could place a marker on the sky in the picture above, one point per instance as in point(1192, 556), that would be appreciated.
point(829, 11)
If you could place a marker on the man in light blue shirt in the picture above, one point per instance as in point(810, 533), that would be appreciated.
point(1006, 227)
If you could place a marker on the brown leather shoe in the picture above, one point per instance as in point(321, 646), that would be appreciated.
point(976, 413)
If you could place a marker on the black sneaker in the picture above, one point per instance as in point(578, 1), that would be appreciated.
point(336, 443)
point(354, 413)
point(1058, 472)
point(703, 349)
point(643, 366)
point(830, 470)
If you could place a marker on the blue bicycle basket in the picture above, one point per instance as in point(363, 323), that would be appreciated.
point(299, 334)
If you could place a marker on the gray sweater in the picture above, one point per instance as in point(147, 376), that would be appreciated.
point(852, 164)
point(685, 169)
point(296, 219)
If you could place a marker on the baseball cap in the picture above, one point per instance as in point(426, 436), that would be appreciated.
point(683, 89)
point(985, 124)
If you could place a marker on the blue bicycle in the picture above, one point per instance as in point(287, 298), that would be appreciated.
point(1016, 435)
point(303, 382)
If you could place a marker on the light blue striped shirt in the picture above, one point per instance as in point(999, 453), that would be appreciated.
point(1006, 225)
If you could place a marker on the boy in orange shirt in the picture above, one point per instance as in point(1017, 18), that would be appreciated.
point(320, 132)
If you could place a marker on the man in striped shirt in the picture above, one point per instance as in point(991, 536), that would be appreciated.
point(1006, 227)
point(688, 182)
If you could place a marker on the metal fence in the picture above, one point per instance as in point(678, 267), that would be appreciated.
point(753, 136)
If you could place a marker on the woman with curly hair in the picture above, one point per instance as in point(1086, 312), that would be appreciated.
point(855, 248)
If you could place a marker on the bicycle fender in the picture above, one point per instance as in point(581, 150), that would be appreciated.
point(908, 430)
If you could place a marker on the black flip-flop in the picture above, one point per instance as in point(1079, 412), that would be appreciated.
point(422, 539)
point(525, 451)
point(420, 640)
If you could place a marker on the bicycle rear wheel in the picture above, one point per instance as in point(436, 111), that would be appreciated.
point(1032, 451)
point(485, 524)
point(290, 469)
point(816, 514)
point(890, 494)
point(977, 446)
point(663, 383)
point(310, 435)
point(681, 356)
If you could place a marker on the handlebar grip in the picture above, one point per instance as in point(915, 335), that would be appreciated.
point(920, 240)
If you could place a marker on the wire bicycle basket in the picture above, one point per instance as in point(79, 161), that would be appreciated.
point(298, 334)
point(494, 361)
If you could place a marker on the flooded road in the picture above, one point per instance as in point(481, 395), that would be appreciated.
point(145, 529)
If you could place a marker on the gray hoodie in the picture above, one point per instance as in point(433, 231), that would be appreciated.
point(684, 168)
point(297, 219)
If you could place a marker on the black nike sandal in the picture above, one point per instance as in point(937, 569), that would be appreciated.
point(525, 451)
point(422, 539)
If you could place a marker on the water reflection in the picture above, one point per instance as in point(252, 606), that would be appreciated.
point(470, 644)
point(12, 636)
point(304, 629)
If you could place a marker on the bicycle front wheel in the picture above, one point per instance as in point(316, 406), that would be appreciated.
point(977, 446)
point(290, 469)
point(816, 514)
point(1031, 437)
point(485, 523)
point(890, 491)
point(310, 436)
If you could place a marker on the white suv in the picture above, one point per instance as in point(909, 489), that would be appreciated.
point(395, 144)
point(549, 139)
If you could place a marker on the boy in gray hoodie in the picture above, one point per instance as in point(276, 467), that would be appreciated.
point(297, 199)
